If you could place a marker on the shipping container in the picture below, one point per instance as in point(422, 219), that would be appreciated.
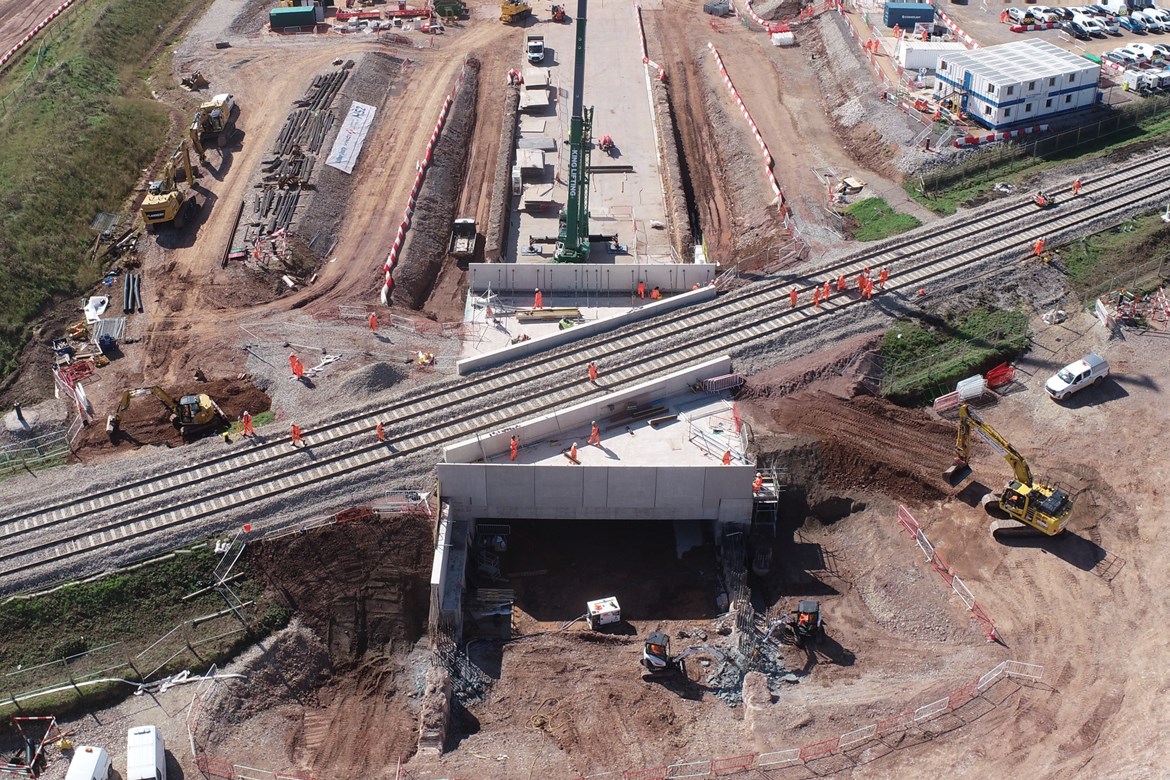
point(915, 55)
point(300, 16)
point(906, 15)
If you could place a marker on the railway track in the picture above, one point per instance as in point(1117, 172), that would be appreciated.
point(37, 537)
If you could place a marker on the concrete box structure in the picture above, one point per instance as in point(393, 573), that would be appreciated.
point(1023, 82)
point(915, 55)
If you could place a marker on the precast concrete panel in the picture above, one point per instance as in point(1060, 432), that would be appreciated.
point(595, 484)
point(511, 485)
point(464, 485)
point(560, 486)
point(632, 487)
point(680, 487)
point(727, 482)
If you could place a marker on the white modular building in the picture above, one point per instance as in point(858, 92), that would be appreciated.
point(915, 55)
point(1019, 83)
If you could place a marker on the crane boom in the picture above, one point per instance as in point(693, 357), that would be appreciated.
point(573, 239)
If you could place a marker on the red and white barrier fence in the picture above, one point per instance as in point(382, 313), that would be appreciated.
point(768, 162)
point(408, 212)
point(1016, 28)
point(642, 40)
point(33, 32)
point(949, 23)
point(936, 559)
point(1002, 135)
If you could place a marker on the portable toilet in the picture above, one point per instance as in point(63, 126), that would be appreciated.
point(89, 763)
point(146, 758)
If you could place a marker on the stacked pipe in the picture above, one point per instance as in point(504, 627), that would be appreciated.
point(642, 39)
point(132, 294)
point(33, 32)
point(408, 212)
point(768, 162)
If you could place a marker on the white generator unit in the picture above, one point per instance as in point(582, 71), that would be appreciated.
point(602, 612)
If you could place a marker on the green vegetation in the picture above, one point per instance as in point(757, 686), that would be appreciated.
point(926, 360)
point(1014, 167)
point(115, 622)
point(875, 220)
point(258, 419)
point(1125, 256)
point(79, 125)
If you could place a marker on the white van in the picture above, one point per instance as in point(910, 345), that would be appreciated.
point(1075, 377)
point(89, 763)
point(146, 758)
point(1152, 22)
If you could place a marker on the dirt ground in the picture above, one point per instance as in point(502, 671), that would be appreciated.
point(17, 18)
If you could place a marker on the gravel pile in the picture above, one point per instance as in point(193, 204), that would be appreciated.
point(251, 18)
point(318, 222)
point(776, 9)
point(671, 171)
point(426, 243)
point(501, 213)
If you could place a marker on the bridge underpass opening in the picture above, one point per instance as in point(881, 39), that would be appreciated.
point(659, 570)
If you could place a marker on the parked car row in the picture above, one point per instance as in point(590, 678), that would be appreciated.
point(1091, 21)
point(1136, 54)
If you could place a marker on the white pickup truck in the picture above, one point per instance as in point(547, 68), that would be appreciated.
point(535, 48)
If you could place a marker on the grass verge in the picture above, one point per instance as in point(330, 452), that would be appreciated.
point(925, 360)
point(976, 187)
point(1125, 256)
point(138, 624)
point(875, 219)
point(79, 125)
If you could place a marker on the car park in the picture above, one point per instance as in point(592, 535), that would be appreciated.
point(1121, 58)
point(1076, 376)
point(1133, 24)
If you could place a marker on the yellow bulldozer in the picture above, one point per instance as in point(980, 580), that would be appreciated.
point(215, 120)
point(165, 203)
point(193, 415)
point(511, 12)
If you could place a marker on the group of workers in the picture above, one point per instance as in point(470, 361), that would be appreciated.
point(655, 294)
point(865, 287)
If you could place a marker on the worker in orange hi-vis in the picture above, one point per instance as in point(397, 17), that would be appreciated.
point(573, 451)
point(825, 291)
point(694, 286)
point(868, 289)
point(514, 446)
point(538, 300)
point(817, 297)
point(655, 294)
point(297, 440)
point(373, 322)
point(298, 368)
point(246, 422)
point(1038, 247)
point(841, 284)
point(380, 431)
point(727, 458)
point(641, 289)
point(883, 277)
point(1076, 186)
point(792, 296)
point(594, 435)
point(862, 278)
point(592, 372)
point(758, 483)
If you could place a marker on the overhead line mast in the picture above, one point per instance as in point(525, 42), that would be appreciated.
point(573, 239)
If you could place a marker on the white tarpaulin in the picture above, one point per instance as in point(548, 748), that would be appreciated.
point(349, 141)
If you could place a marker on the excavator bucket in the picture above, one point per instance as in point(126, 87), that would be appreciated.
point(956, 473)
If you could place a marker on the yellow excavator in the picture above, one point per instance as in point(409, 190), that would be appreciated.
point(165, 203)
point(512, 12)
point(1036, 505)
point(192, 415)
point(215, 120)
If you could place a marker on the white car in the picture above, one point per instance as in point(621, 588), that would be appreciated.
point(1152, 52)
point(1093, 25)
point(1133, 51)
point(1021, 15)
point(1075, 377)
point(1044, 14)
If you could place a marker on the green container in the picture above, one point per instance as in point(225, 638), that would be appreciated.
point(297, 16)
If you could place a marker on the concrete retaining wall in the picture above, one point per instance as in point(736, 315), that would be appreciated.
point(561, 492)
point(552, 425)
point(556, 339)
point(573, 278)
